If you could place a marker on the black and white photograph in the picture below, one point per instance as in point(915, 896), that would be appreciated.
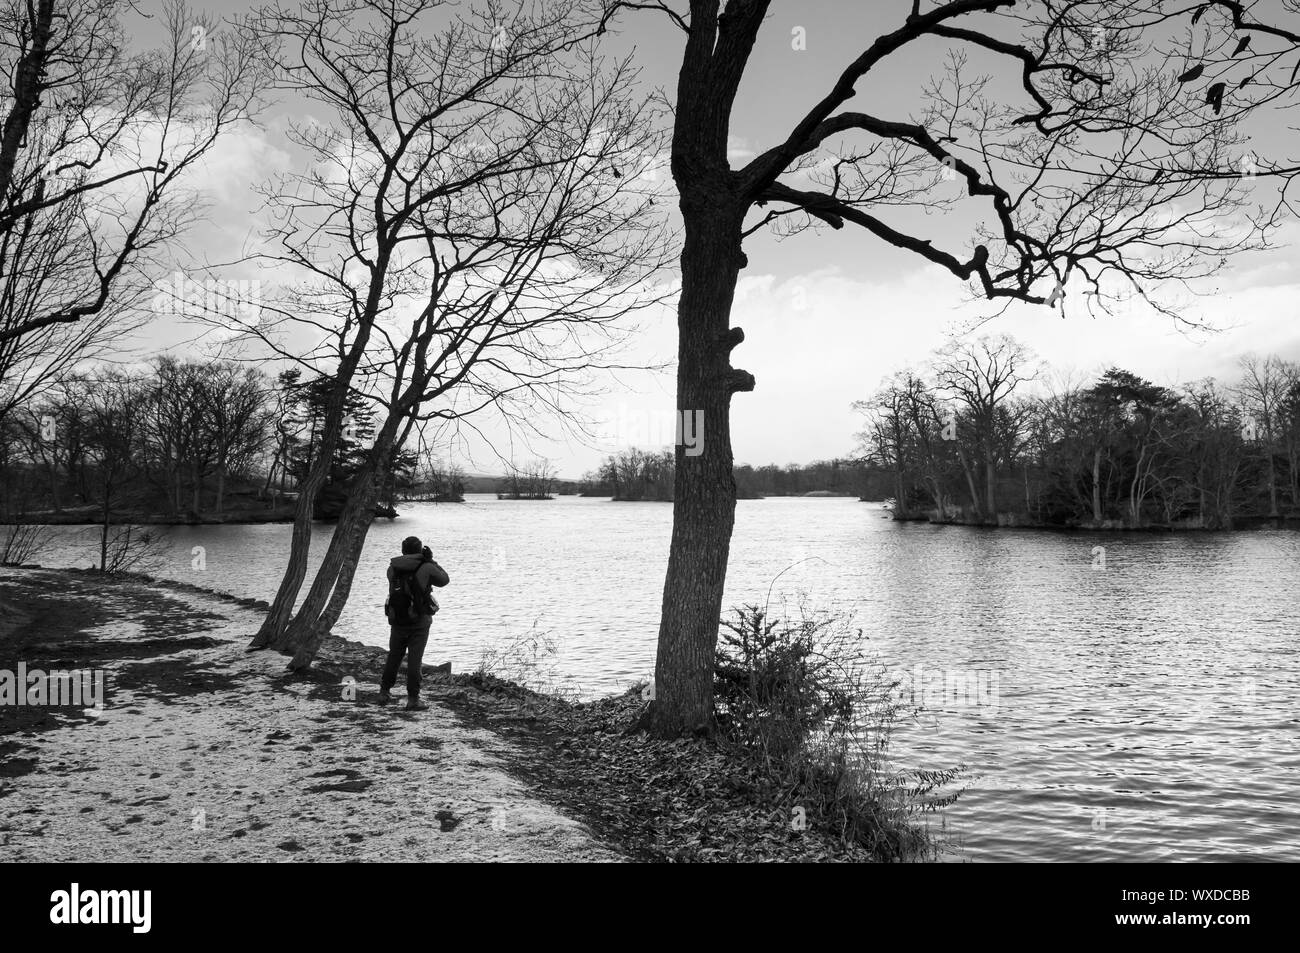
point(697, 431)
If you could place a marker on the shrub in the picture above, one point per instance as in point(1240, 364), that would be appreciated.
point(19, 542)
point(800, 700)
point(528, 659)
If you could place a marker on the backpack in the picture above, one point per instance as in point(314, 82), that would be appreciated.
point(406, 603)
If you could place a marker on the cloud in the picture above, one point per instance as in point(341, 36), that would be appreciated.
point(818, 341)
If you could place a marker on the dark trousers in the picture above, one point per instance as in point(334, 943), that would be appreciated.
point(408, 640)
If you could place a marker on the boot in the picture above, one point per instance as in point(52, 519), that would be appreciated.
point(414, 704)
point(384, 696)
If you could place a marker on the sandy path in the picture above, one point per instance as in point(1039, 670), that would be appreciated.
point(224, 758)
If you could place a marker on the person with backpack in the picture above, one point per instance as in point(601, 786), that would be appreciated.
point(410, 608)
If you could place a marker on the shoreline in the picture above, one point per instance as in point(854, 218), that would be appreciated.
point(1243, 524)
point(162, 519)
point(300, 771)
point(205, 752)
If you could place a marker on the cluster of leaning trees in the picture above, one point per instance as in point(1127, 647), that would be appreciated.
point(484, 197)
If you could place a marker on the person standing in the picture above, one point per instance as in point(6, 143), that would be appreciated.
point(410, 609)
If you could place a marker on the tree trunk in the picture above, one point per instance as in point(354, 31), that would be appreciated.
point(1295, 477)
point(28, 84)
point(991, 488)
point(939, 501)
point(704, 497)
point(55, 497)
point(352, 537)
point(315, 618)
point(1134, 497)
point(970, 482)
point(272, 631)
point(1201, 494)
point(270, 475)
point(103, 534)
point(358, 508)
point(1272, 480)
point(1096, 485)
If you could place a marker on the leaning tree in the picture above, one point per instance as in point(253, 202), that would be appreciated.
point(471, 230)
point(1054, 118)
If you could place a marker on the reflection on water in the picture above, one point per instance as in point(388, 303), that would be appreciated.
point(1144, 711)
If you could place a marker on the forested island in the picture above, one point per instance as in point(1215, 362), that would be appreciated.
point(961, 441)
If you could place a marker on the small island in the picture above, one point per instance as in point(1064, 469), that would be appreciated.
point(966, 442)
point(532, 482)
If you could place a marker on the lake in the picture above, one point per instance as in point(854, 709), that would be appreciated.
point(1134, 704)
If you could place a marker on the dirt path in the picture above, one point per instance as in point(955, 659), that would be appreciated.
point(205, 752)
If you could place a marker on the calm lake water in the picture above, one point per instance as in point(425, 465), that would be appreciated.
point(1147, 710)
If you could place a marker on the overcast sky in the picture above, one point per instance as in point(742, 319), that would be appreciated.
point(826, 315)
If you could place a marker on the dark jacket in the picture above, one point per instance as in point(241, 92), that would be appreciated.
point(427, 573)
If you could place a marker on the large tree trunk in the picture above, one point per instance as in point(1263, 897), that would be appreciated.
point(28, 84)
point(704, 497)
point(273, 627)
point(353, 539)
point(359, 508)
point(333, 579)
point(272, 632)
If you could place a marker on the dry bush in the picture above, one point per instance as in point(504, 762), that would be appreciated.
point(801, 701)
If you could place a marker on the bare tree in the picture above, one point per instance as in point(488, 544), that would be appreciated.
point(94, 149)
point(906, 432)
point(1262, 391)
point(236, 408)
point(532, 481)
point(474, 231)
point(1052, 173)
point(113, 401)
point(982, 375)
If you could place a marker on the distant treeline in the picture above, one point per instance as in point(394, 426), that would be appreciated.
point(962, 444)
point(648, 475)
point(188, 440)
